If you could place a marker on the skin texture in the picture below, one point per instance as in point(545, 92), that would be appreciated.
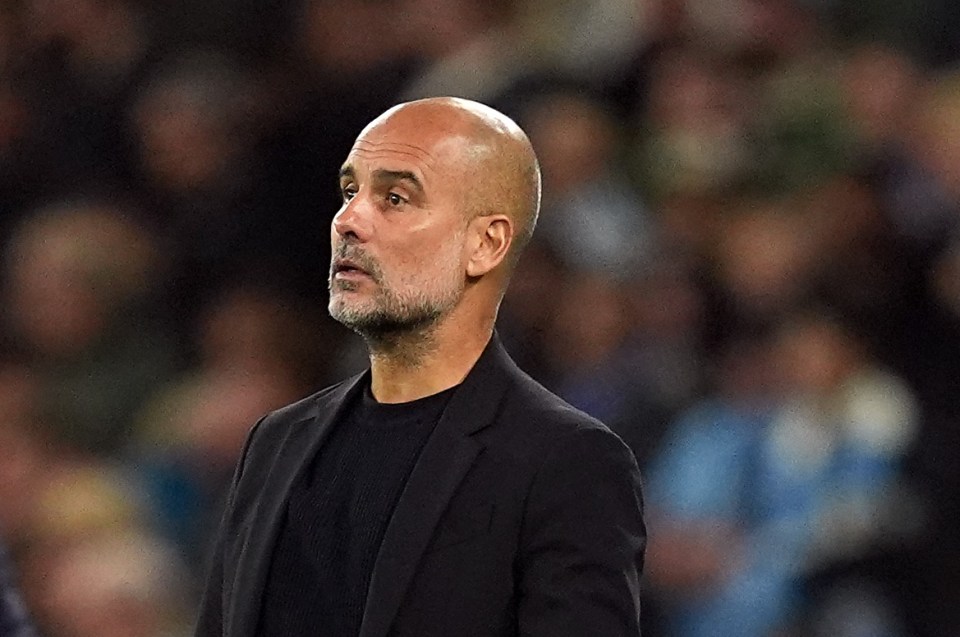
point(439, 198)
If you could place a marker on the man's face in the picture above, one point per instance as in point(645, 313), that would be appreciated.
point(398, 239)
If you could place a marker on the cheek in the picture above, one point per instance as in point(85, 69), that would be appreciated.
point(430, 268)
point(427, 256)
point(447, 256)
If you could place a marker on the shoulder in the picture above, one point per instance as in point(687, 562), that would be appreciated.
point(316, 404)
point(278, 424)
point(529, 399)
point(539, 420)
point(307, 407)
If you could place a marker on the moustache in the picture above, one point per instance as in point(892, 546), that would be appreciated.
point(358, 258)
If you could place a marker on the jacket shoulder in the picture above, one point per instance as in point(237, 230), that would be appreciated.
point(270, 430)
point(307, 407)
point(535, 412)
point(529, 395)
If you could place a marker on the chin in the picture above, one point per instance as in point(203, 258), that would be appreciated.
point(352, 315)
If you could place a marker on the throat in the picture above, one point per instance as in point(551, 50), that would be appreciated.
point(407, 367)
point(403, 350)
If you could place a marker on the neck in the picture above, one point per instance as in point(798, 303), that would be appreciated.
point(412, 365)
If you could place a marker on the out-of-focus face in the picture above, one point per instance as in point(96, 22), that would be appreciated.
point(182, 147)
point(574, 139)
point(399, 238)
point(52, 307)
point(51, 20)
point(816, 357)
point(71, 268)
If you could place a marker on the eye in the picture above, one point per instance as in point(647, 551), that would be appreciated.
point(395, 199)
point(348, 192)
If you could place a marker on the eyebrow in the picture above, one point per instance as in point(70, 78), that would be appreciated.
point(383, 175)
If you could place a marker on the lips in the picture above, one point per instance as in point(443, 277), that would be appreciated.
point(348, 266)
point(352, 267)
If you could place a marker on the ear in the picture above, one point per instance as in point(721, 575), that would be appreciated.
point(491, 237)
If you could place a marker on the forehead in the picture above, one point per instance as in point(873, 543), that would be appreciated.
point(424, 148)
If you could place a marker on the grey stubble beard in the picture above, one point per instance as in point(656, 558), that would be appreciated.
point(395, 327)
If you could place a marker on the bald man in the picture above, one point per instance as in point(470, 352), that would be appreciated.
point(443, 492)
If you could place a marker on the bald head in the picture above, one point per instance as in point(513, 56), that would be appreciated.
point(488, 153)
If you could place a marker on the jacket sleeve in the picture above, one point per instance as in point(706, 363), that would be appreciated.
point(583, 541)
point(210, 617)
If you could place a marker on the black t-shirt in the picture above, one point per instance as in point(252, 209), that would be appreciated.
point(337, 514)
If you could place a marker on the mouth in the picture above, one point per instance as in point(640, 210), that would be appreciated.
point(348, 269)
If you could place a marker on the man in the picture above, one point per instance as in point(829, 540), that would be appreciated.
point(443, 492)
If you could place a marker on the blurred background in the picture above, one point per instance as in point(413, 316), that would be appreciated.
point(748, 265)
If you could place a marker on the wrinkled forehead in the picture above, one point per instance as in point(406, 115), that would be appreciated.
point(429, 147)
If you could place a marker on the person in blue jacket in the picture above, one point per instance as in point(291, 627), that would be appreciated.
point(14, 621)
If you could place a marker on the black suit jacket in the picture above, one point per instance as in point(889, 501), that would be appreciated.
point(522, 516)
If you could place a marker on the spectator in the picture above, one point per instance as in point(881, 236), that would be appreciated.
point(117, 585)
point(197, 126)
point(81, 84)
point(462, 48)
point(13, 614)
point(751, 504)
point(78, 279)
point(592, 218)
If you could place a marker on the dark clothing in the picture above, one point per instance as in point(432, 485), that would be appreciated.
point(337, 514)
point(13, 614)
point(521, 516)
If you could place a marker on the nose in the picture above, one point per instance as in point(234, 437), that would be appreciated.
point(352, 221)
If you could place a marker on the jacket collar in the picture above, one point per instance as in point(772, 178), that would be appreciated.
point(444, 462)
point(299, 442)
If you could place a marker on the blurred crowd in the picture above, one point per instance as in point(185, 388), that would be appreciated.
point(747, 264)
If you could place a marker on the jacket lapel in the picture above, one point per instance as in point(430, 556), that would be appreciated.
point(444, 462)
point(301, 441)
